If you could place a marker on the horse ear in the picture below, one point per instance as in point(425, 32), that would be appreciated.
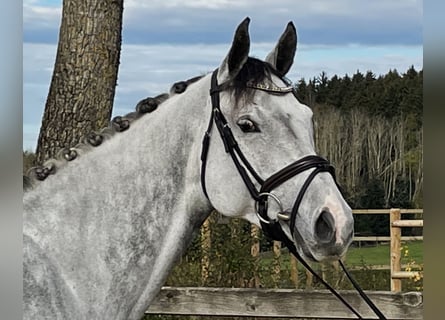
point(282, 57)
point(237, 55)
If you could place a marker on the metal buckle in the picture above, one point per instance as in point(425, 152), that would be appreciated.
point(280, 214)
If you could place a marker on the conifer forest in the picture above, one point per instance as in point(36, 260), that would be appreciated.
point(370, 128)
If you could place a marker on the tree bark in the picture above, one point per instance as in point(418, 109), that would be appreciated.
point(82, 88)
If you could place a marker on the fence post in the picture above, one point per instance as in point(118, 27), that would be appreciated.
point(255, 252)
point(395, 233)
point(276, 275)
point(294, 270)
point(309, 279)
point(206, 241)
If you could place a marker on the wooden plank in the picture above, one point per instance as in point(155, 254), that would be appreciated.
point(386, 211)
point(404, 274)
point(407, 223)
point(294, 270)
point(396, 233)
point(371, 238)
point(309, 279)
point(283, 303)
point(206, 242)
point(384, 238)
point(276, 266)
point(385, 267)
point(255, 252)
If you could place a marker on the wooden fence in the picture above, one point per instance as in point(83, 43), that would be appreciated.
point(298, 303)
point(282, 303)
point(394, 259)
point(396, 223)
point(395, 239)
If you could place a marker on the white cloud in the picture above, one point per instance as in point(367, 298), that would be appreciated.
point(148, 70)
point(299, 7)
point(300, 10)
point(37, 15)
point(196, 4)
point(178, 20)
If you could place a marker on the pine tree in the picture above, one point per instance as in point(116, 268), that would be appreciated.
point(321, 87)
point(302, 91)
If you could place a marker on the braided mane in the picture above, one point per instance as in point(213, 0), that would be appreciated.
point(90, 141)
point(254, 71)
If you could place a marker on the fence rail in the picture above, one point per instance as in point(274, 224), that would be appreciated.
point(298, 303)
point(386, 211)
point(385, 239)
point(282, 303)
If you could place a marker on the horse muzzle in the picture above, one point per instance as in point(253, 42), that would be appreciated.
point(329, 236)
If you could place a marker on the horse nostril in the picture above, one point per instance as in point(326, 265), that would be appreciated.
point(351, 234)
point(325, 227)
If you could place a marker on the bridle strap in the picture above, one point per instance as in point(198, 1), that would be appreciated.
point(230, 144)
point(295, 168)
point(279, 235)
point(317, 163)
point(291, 247)
point(325, 167)
point(361, 292)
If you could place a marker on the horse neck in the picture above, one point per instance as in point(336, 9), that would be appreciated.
point(157, 155)
point(136, 197)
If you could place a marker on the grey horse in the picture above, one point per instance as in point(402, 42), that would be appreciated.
point(101, 233)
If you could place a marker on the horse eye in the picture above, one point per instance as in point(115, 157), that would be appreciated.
point(247, 125)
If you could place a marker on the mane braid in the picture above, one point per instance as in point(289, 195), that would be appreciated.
point(181, 86)
point(90, 141)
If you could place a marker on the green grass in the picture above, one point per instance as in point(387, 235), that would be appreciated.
point(370, 256)
point(379, 255)
point(369, 265)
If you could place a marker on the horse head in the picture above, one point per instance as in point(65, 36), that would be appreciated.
point(264, 167)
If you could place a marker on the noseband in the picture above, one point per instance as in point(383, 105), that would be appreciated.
point(272, 227)
point(264, 193)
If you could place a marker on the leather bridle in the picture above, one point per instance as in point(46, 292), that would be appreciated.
point(271, 227)
point(261, 195)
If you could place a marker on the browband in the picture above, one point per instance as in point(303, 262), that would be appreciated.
point(270, 88)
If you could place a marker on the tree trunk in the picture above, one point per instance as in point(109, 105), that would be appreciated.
point(82, 88)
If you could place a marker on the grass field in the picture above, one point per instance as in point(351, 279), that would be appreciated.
point(369, 265)
point(375, 255)
point(378, 255)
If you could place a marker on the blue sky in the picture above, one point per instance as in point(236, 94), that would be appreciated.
point(169, 40)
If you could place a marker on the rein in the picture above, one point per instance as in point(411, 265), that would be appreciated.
point(272, 227)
